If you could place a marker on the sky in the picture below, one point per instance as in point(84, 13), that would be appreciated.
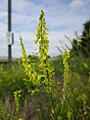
point(63, 17)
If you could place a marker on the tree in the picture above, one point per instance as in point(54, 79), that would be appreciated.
point(75, 47)
point(85, 39)
point(83, 46)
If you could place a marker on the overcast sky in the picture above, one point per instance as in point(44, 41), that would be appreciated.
point(63, 17)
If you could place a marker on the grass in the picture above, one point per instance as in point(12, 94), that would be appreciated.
point(11, 79)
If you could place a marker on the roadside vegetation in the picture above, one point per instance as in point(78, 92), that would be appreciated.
point(42, 88)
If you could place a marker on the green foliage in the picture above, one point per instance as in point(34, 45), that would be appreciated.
point(43, 79)
point(17, 95)
point(11, 79)
point(81, 45)
point(42, 37)
point(51, 89)
point(66, 110)
point(4, 115)
point(57, 64)
point(75, 98)
point(66, 76)
point(79, 64)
